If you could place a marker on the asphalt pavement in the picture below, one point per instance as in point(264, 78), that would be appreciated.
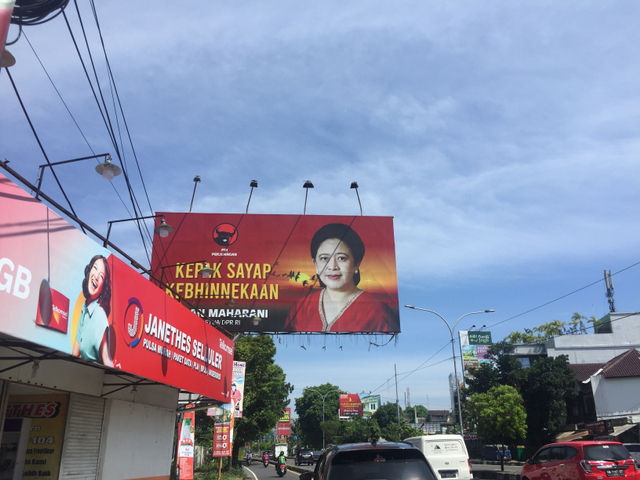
point(481, 470)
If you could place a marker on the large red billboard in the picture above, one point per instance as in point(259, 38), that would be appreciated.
point(350, 405)
point(283, 273)
point(60, 289)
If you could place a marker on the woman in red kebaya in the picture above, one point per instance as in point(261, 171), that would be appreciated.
point(340, 306)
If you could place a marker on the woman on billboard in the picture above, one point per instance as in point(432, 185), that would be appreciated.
point(91, 341)
point(340, 306)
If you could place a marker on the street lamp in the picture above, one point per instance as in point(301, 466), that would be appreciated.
point(323, 397)
point(453, 351)
point(163, 229)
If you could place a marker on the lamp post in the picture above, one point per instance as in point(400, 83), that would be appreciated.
point(453, 351)
point(323, 397)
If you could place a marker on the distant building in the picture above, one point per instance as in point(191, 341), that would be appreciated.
point(370, 403)
point(607, 365)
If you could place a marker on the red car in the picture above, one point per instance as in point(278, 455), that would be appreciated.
point(580, 461)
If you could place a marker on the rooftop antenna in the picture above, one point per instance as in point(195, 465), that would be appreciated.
point(609, 283)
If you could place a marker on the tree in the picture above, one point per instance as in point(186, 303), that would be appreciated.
point(355, 430)
point(555, 328)
point(549, 385)
point(309, 409)
point(499, 415)
point(410, 413)
point(265, 391)
point(483, 379)
point(387, 418)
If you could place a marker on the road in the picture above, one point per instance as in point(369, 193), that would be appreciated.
point(508, 468)
point(258, 472)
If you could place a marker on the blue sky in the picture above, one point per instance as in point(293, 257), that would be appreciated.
point(502, 137)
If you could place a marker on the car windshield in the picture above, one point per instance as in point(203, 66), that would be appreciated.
point(372, 464)
point(606, 452)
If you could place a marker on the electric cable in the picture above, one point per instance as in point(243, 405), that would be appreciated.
point(44, 153)
point(36, 12)
point(71, 114)
point(136, 208)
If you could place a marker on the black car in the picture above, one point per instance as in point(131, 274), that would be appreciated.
point(304, 456)
point(363, 461)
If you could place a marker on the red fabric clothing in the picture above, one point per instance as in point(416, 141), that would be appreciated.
point(365, 314)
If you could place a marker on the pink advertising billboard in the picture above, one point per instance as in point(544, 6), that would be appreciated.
point(60, 289)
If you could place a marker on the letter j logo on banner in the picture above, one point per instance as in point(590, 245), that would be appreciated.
point(133, 322)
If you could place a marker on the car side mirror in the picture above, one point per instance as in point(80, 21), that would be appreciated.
point(306, 476)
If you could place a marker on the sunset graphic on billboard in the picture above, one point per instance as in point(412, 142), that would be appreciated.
point(283, 273)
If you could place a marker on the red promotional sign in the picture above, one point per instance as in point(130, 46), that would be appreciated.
point(350, 405)
point(60, 289)
point(284, 424)
point(223, 429)
point(186, 445)
point(284, 273)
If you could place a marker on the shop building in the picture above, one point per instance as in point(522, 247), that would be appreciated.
point(66, 412)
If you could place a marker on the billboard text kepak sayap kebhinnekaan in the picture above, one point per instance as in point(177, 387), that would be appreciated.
point(283, 273)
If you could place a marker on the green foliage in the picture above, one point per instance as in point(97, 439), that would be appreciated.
point(411, 413)
point(387, 418)
point(209, 471)
point(484, 378)
point(355, 430)
point(309, 410)
point(550, 383)
point(265, 390)
point(499, 414)
point(555, 328)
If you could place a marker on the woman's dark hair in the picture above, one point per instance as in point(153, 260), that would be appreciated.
point(346, 235)
point(104, 299)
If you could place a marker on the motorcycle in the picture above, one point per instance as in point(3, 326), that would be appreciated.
point(249, 459)
point(265, 462)
point(281, 468)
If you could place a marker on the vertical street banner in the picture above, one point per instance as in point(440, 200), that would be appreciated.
point(186, 445)
point(222, 429)
point(284, 425)
point(275, 273)
point(237, 386)
point(350, 405)
point(474, 347)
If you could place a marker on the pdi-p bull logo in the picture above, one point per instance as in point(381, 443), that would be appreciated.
point(225, 234)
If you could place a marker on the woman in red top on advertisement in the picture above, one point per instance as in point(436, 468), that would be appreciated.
point(337, 251)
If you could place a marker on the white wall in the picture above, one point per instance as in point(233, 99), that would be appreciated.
point(616, 397)
point(602, 347)
point(137, 441)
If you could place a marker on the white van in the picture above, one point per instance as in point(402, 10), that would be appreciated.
point(447, 455)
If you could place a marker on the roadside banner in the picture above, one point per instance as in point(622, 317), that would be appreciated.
point(222, 429)
point(62, 290)
point(237, 386)
point(272, 273)
point(186, 445)
point(283, 428)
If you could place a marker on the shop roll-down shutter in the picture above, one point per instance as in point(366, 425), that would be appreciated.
point(81, 449)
